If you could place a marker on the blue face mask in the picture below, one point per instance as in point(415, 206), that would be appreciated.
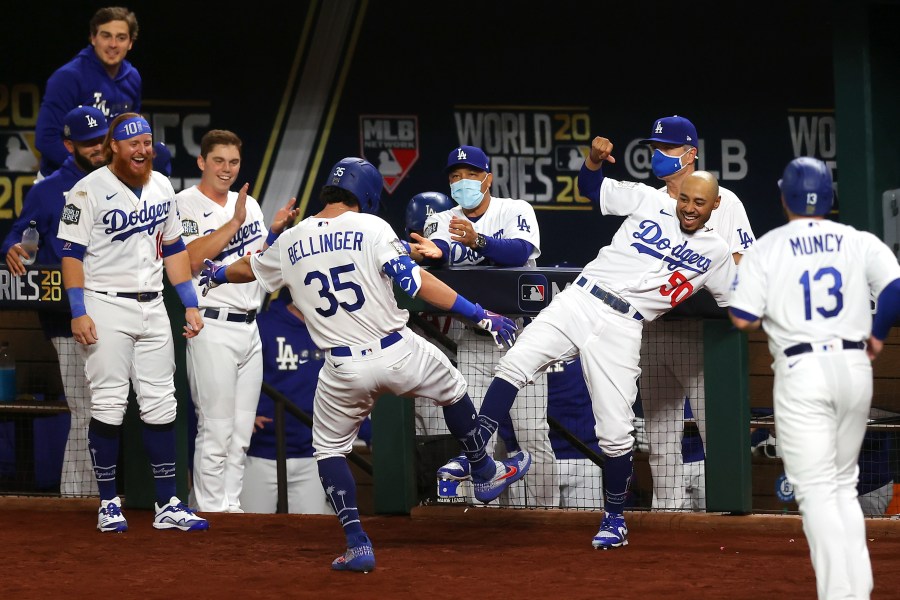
point(467, 192)
point(665, 165)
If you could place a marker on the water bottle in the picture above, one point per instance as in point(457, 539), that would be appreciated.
point(7, 374)
point(30, 239)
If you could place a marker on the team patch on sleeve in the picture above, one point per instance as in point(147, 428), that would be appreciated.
point(190, 227)
point(430, 229)
point(399, 247)
point(71, 214)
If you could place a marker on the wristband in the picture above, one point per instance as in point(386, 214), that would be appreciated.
point(270, 239)
point(187, 294)
point(463, 307)
point(76, 301)
point(405, 245)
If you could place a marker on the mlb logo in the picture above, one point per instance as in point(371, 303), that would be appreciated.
point(533, 292)
point(391, 143)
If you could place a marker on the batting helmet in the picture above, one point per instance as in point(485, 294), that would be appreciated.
point(806, 186)
point(421, 206)
point(360, 178)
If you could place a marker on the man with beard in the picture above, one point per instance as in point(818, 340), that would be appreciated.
point(120, 227)
point(83, 131)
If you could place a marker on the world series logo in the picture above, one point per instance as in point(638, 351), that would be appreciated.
point(37, 285)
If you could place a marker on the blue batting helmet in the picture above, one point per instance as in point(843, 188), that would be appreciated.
point(421, 206)
point(360, 178)
point(807, 187)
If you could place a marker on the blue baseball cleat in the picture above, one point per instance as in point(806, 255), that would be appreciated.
point(613, 532)
point(508, 472)
point(359, 558)
point(110, 517)
point(176, 515)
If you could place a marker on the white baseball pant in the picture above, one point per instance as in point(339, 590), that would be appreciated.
point(305, 492)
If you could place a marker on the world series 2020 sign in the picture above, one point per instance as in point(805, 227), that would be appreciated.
point(39, 288)
point(535, 152)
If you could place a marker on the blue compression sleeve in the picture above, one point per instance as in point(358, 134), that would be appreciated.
point(76, 302)
point(270, 239)
point(187, 293)
point(173, 248)
point(445, 250)
point(589, 184)
point(888, 310)
point(507, 253)
point(463, 307)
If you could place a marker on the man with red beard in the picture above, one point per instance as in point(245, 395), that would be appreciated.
point(83, 131)
point(120, 227)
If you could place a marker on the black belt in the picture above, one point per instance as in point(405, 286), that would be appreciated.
point(139, 296)
point(234, 317)
point(386, 341)
point(805, 347)
point(609, 299)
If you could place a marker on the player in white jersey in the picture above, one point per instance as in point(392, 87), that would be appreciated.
point(809, 284)
point(340, 267)
point(119, 227)
point(224, 365)
point(672, 351)
point(660, 256)
point(486, 230)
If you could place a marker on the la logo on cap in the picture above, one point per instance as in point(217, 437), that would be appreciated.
point(658, 127)
point(92, 122)
point(460, 154)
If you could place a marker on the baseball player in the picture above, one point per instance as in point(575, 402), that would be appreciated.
point(484, 230)
point(119, 227)
point(809, 284)
point(672, 351)
point(83, 130)
point(340, 267)
point(291, 364)
point(660, 256)
point(98, 76)
point(224, 365)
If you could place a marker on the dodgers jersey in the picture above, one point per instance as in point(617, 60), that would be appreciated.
point(651, 262)
point(123, 234)
point(505, 218)
point(201, 216)
point(810, 280)
point(730, 221)
point(333, 268)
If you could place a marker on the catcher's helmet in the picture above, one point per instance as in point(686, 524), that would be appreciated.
point(807, 187)
point(421, 206)
point(360, 178)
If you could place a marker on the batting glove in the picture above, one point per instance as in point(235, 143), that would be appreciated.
point(503, 329)
point(212, 275)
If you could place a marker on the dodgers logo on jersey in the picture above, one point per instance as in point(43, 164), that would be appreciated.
point(71, 214)
point(246, 235)
point(682, 257)
point(745, 238)
point(146, 219)
point(522, 224)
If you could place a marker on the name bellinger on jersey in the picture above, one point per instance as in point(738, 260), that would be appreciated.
point(325, 242)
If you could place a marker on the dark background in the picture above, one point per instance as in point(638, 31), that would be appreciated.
point(738, 72)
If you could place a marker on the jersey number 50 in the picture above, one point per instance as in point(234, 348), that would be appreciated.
point(336, 285)
point(835, 291)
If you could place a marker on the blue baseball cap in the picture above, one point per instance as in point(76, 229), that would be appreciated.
point(84, 123)
point(673, 130)
point(468, 155)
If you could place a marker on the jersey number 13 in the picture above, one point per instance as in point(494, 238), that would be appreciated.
point(836, 298)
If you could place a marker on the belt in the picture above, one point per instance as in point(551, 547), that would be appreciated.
point(386, 341)
point(139, 296)
point(234, 317)
point(609, 299)
point(806, 347)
